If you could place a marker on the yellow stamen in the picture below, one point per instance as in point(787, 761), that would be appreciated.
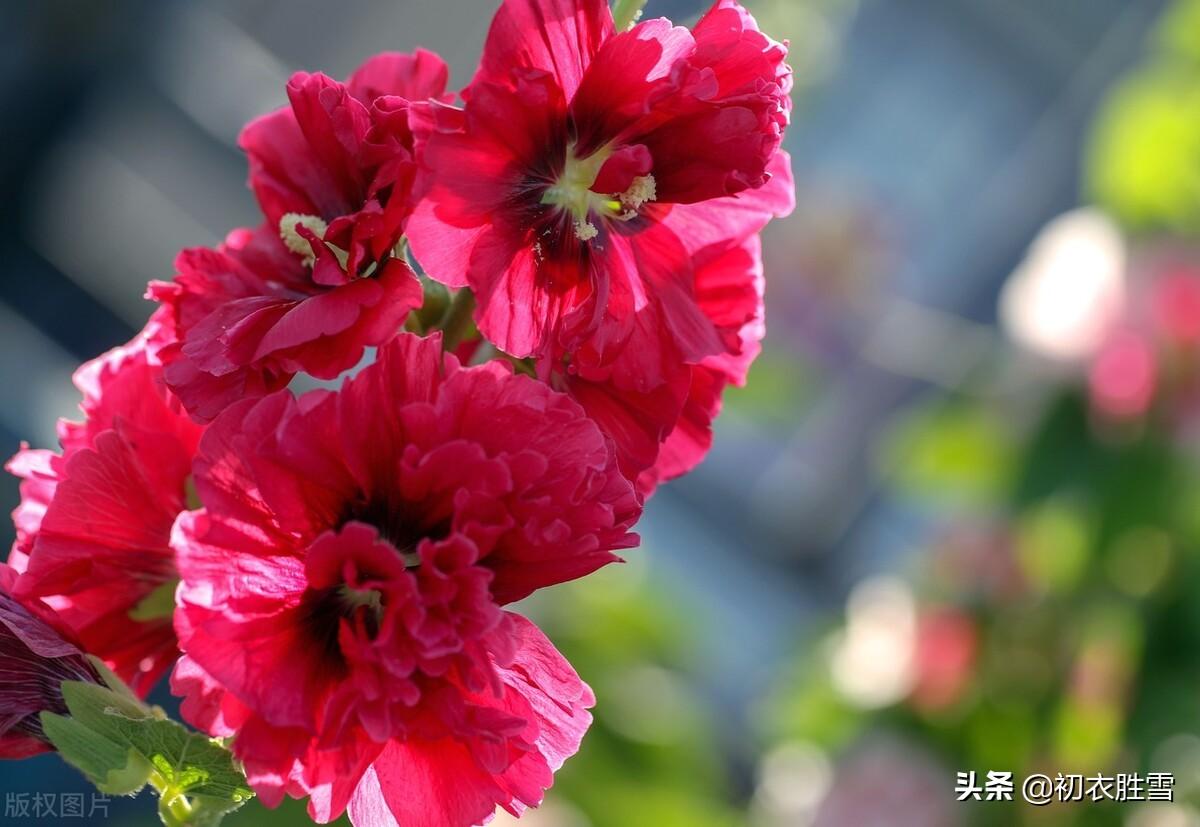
point(573, 193)
point(297, 243)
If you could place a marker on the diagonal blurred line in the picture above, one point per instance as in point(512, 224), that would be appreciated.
point(1021, 25)
point(216, 72)
point(925, 343)
point(1025, 184)
point(107, 228)
point(36, 373)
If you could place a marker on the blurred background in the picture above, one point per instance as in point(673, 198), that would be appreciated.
point(953, 523)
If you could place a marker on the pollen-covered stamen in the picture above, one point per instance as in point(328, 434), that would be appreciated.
point(294, 241)
point(574, 193)
point(585, 230)
point(641, 191)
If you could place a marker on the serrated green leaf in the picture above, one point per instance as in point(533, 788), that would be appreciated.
point(122, 744)
point(114, 769)
point(111, 680)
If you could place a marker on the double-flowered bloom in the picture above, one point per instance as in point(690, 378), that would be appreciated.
point(340, 605)
point(94, 524)
point(328, 573)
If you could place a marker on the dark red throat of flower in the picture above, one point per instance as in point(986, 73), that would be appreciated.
point(400, 526)
point(324, 610)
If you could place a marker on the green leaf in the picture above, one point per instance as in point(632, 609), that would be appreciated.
point(111, 680)
point(121, 745)
point(1053, 546)
point(157, 605)
point(113, 769)
point(626, 13)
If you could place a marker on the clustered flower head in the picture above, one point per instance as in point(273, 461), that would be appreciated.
point(551, 277)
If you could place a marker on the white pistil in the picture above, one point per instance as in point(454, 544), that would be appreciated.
point(297, 243)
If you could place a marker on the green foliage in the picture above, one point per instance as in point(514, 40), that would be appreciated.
point(1179, 32)
point(122, 745)
point(1052, 546)
point(651, 757)
point(159, 604)
point(1144, 160)
point(1081, 604)
point(1144, 165)
point(949, 450)
point(780, 388)
point(626, 13)
point(808, 708)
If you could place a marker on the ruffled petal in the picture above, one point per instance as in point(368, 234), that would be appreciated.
point(559, 37)
point(418, 76)
point(733, 218)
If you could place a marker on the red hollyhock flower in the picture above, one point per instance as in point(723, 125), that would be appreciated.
point(339, 609)
point(248, 316)
point(333, 173)
point(666, 431)
point(559, 192)
point(37, 653)
point(1124, 376)
point(729, 287)
point(94, 524)
point(1175, 303)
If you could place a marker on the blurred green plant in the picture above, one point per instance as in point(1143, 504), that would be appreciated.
point(1055, 628)
point(950, 449)
point(781, 388)
point(652, 757)
point(1144, 160)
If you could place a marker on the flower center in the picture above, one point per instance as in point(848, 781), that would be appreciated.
point(573, 193)
point(323, 611)
point(403, 527)
point(355, 599)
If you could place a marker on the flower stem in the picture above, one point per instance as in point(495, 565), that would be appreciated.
point(457, 321)
point(626, 13)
